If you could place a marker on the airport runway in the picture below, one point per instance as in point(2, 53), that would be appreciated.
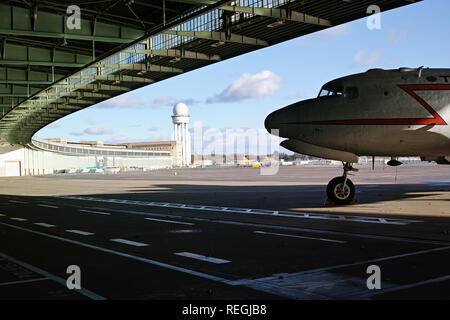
point(226, 234)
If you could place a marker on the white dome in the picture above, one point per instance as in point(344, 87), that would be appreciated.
point(180, 109)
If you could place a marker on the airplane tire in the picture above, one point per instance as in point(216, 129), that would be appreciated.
point(338, 194)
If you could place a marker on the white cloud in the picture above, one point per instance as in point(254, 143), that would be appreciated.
point(167, 101)
point(97, 131)
point(326, 34)
point(249, 86)
point(128, 139)
point(361, 59)
point(122, 101)
point(154, 128)
point(334, 32)
point(119, 139)
point(132, 101)
point(162, 101)
point(397, 36)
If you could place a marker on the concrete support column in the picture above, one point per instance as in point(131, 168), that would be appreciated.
point(183, 126)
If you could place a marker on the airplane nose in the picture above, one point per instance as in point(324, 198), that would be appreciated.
point(272, 122)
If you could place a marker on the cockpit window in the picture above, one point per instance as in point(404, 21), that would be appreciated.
point(351, 93)
point(331, 91)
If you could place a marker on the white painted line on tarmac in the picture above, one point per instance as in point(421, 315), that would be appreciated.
point(47, 206)
point(170, 221)
point(22, 281)
point(122, 254)
point(399, 256)
point(290, 214)
point(300, 237)
point(17, 201)
point(83, 233)
point(46, 274)
point(2, 215)
point(285, 228)
point(202, 257)
point(42, 224)
point(412, 285)
point(18, 219)
point(96, 212)
point(129, 242)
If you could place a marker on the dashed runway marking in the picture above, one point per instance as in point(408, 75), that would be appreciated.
point(291, 214)
point(22, 281)
point(129, 242)
point(96, 212)
point(170, 221)
point(42, 224)
point(83, 233)
point(17, 201)
point(121, 254)
point(202, 257)
point(18, 219)
point(47, 206)
point(300, 237)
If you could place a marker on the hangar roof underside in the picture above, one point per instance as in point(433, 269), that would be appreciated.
point(49, 70)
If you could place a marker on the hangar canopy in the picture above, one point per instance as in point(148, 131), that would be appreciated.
point(52, 65)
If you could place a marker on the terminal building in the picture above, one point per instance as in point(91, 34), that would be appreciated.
point(58, 155)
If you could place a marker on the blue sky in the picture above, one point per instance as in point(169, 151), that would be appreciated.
point(241, 92)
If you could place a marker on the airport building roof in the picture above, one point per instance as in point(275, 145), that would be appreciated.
point(53, 64)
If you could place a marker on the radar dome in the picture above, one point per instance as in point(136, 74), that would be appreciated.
point(180, 109)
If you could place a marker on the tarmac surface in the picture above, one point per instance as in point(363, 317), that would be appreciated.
point(226, 233)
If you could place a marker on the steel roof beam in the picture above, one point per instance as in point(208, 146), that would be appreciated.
point(79, 94)
point(277, 13)
point(219, 36)
point(114, 77)
point(139, 67)
point(25, 82)
point(60, 101)
point(69, 36)
point(177, 54)
point(92, 86)
point(54, 26)
point(280, 13)
point(42, 63)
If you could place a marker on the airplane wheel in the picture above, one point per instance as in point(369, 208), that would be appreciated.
point(339, 194)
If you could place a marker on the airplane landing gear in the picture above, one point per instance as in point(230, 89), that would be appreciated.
point(341, 190)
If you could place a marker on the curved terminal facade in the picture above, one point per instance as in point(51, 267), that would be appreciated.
point(50, 157)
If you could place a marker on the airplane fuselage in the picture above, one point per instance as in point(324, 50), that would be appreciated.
point(402, 112)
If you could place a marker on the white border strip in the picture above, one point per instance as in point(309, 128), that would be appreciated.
point(18, 219)
point(97, 212)
point(11, 283)
point(83, 233)
point(46, 225)
point(300, 237)
point(170, 221)
point(202, 257)
point(47, 206)
point(48, 275)
point(129, 242)
point(291, 214)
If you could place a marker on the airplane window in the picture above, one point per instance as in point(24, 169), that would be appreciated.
point(351, 93)
point(330, 92)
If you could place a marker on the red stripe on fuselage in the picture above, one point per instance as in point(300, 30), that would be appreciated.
point(410, 89)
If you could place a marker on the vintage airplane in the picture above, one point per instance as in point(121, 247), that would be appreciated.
point(402, 112)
